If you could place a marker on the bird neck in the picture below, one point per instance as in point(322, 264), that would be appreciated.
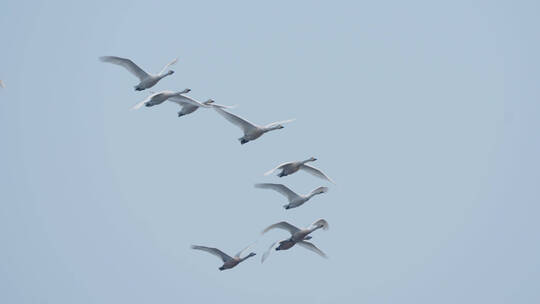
point(163, 75)
point(245, 258)
point(312, 194)
point(271, 128)
point(313, 229)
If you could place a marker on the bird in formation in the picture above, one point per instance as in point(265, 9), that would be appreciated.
point(146, 80)
point(298, 236)
point(295, 200)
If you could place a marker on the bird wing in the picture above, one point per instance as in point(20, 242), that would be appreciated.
point(215, 105)
point(278, 123)
point(282, 225)
point(276, 168)
point(2, 84)
point(267, 252)
point(220, 254)
point(312, 247)
point(182, 100)
point(316, 172)
point(319, 190)
point(127, 64)
point(284, 190)
point(168, 65)
point(242, 251)
point(140, 104)
point(245, 125)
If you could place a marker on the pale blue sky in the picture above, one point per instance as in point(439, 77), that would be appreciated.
point(425, 114)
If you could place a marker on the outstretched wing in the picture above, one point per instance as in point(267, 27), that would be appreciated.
point(267, 252)
point(168, 65)
point(245, 125)
point(284, 190)
point(210, 104)
point(282, 225)
point(127, 64)
point(279, 123)
point(140, 104)
point(310, 246)
point(220, 254)
point(276, 168)
point(316, 172)
point(182, 100)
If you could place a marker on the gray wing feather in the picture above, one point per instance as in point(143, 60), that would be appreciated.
point(127, 64)
point(284, 190)
point(220, 254)
point(282, 225)
point(310, 246)
point(267, 252)
point(245, 125)
point(316, 172)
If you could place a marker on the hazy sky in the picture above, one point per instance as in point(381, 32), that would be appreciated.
point(425, 114)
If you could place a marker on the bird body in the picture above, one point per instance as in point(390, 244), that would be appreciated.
point(251, 131)
point(295, 200)
point(298, 236)
point(145, 80)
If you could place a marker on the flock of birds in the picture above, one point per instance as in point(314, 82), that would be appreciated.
point(298, 236)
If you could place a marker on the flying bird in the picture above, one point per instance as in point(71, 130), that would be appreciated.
point(228, 261)
point(298, 236)
point(159, 98)
point(2, 84)
point(146, 80)
point(292, 167)
point(295, 200)
point(251, 131)
point(190, 105)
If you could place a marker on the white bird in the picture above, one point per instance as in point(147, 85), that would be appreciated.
point(2, 84)
point(146, 80)
point(291, 167)
point(251, 131)
point(298, 236)
point(228, 261)
point(190, 105)
point(158, 98)
point(295, 200)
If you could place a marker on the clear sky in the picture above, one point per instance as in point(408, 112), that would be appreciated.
point(425, 114)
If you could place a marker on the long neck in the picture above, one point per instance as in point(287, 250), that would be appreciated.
point(163, 75)
point(313, 229)
point(272, 128)
point(312, 194)
point(307, 161)
point(245, 258)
